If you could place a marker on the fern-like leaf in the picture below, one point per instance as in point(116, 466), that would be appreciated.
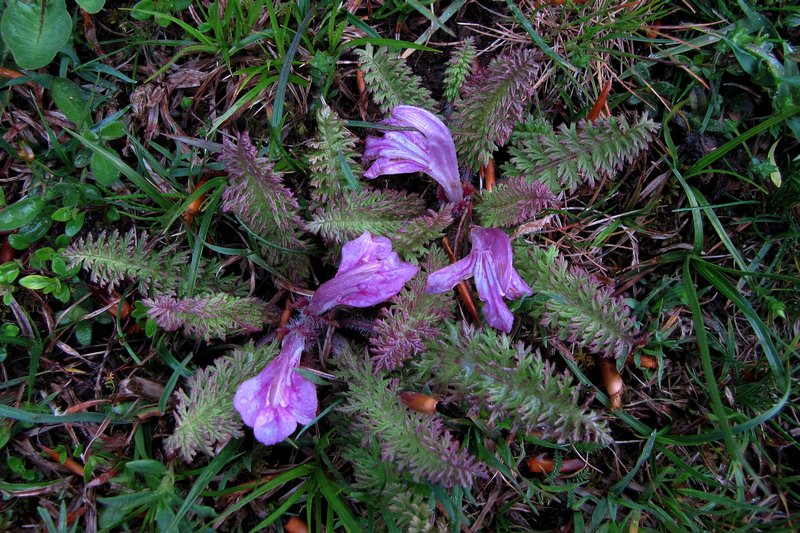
point(514, 383)
point(390, 81)
point(413, 318)
point(332, 160)
point(494, 102)
point(458, 68)
point(413, 238)
point(381, 486)
point(205, 416)
point(110, 258)
point(581, 153)
point(213, 316)
point(379, 212)
point(576, 306)
point(259, 198)
point(415, 443)
point(514, 201)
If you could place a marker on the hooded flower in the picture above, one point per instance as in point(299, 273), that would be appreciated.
point(429, 149)
point(278, 398)
point(495, 277)
point(370, 273)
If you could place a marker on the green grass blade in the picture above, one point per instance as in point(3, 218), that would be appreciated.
point(286, 68)
point(209, 472)
point(708, 370)
point(331, 494)
point(700, 166)
point(727, 289)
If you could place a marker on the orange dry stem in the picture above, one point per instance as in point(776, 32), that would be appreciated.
point(295, 525)
point(194, 207)
point(598, 106)
point(71, 464)
point(285, 316)
point(645, 361)
point(463, 290)
point(10, 74)
point(542, 464)
point(489, 176)
point(360, 84)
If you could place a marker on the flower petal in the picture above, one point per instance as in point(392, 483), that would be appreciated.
point(496, 243)
point(273, 426)
point(364, 249)
point(271, 401)
point(448, 277)
point(495, 309)
point(370, 273)
point(248, 399)
point(379, 286)
point(429, 149)
point(303, 404)
point(517, 288)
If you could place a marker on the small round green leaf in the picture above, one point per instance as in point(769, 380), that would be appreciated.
point(103, 169)
point(113, 130)
point(71, 100)
point(36, 282)
point(83, 333)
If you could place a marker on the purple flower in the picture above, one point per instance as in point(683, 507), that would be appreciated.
point(278, 398)
point(429, 149)
point(495, 277)
point(370, 273)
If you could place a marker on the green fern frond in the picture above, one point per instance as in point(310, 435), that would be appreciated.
point(205, 416)
point(413, 239)
point(410, 508)
point(458, 68)
point(514, 383)
point(376, 211)
point(380, 486)
point(390, 81)
point(413, 318)
point(514, 201)
point(576, 306)
point(258, 196)
point(585, 152)
point(332, 160)
point(215, 315)
point(415, 443)
point(494, 102)
point(110, 258)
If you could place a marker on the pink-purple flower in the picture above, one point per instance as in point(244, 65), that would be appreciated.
point(495, 278)
point(429, 148)
point(278, 398)
point(370, 273)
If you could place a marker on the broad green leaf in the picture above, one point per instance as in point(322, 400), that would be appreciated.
point(91, 6)
point(112, 130)
point(103, 167)
point(30, 232)
point(74, 226)
point(20, 213)
point(71, 100)
point(34, 35)
point(83, 333)
point(35, 282)
point(146, 466)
